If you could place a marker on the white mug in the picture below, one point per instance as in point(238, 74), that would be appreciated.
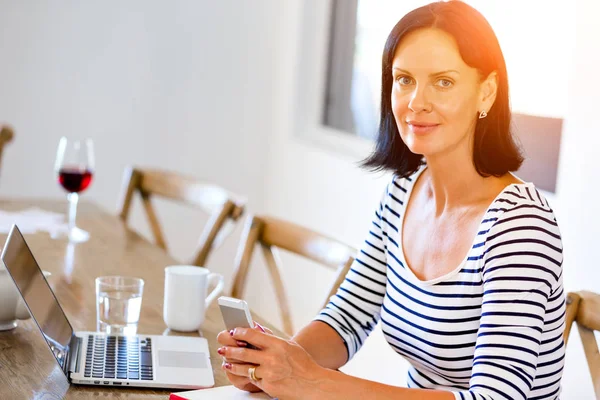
point(185, 301)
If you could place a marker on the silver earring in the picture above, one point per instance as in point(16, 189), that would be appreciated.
point(482, 115)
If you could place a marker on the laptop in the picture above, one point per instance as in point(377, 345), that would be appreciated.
point(94, 358)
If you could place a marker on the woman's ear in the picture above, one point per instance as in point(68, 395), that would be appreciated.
point(488, 90)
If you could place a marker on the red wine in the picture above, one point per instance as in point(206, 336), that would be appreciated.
point(74, 180)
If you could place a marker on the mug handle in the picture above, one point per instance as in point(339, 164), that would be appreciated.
point(218, 288)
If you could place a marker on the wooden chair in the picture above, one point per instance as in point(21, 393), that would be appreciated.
point(570, 314)
point(583, 308)
point(214, 200)
point(271, 234)
point(6, 136)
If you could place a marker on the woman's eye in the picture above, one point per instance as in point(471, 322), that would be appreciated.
point(445, 83)
point(404, 80)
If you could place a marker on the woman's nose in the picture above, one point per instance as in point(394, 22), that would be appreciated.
point(418, 101)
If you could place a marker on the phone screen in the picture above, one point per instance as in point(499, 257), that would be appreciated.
point(235, 318)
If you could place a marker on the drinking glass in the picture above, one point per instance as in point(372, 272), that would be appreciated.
point(118, 304)
point(75, 168)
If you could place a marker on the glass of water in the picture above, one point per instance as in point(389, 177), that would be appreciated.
point(118, 304)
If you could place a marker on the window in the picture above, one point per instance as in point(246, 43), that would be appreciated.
point(533, 35)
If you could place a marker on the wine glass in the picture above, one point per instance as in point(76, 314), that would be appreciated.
point(75, 168)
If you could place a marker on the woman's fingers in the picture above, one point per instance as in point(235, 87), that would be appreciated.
point(241, 382)
point(225, 339)
point(243, 370)
point(255, 337)
point(240, 354)
point(262, 328)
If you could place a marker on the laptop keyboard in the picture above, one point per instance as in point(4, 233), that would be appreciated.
point(119, 357)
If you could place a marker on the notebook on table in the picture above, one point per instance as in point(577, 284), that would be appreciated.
point(220, 393)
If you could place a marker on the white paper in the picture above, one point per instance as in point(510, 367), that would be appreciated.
point(32, 220)
point(222, 393)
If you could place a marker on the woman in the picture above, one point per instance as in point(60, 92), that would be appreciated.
point(463, 264)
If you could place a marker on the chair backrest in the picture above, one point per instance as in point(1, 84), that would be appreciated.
point(587, 318)
point(272, 234)
point(6, 136)
point(223, 207)
point(571, 314)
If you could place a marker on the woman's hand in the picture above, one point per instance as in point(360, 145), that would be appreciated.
point(282, 368)
point(226, 339)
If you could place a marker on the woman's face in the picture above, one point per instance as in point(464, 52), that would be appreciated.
point(436, 96)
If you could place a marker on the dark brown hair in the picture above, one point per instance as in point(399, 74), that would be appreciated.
point(495, 151)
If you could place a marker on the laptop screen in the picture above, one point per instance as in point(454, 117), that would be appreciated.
point(38, 296)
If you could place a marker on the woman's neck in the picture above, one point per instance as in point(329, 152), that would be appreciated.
point(452, 182)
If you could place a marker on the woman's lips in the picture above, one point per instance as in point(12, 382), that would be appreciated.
point(421, 128)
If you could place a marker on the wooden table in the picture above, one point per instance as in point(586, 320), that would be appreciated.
point(27, 367)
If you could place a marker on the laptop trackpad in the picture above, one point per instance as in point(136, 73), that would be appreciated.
point(181, 359)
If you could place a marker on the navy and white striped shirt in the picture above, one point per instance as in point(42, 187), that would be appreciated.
point(490, 329)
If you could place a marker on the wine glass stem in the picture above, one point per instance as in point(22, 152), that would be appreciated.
point(73, 200)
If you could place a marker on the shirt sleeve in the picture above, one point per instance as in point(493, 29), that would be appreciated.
point(354, 310)
point(522, 269)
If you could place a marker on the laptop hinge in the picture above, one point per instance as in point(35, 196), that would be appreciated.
point(72, 362)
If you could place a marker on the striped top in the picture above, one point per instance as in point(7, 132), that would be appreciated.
point(490, 329)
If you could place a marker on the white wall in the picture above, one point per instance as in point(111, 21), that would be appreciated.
point(182, 85)
point(578, 189)
point(579, 169)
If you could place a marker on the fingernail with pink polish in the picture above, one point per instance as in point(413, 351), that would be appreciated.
point(260, 327)
point(231, 332)
point(241, 344)
point(227, 366)
point(221, 350)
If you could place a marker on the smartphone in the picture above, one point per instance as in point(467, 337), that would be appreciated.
point(236, 314)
